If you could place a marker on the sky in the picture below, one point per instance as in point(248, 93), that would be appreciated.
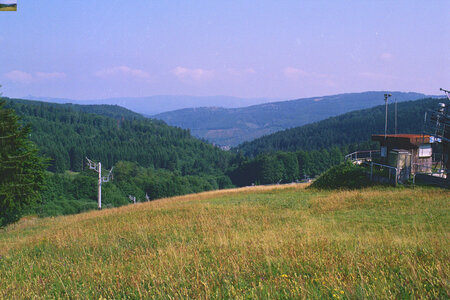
point(280, 49)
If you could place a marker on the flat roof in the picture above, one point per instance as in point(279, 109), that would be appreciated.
point(412, 140)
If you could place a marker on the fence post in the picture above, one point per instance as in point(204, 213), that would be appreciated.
point(371, 171)
point(396, 177)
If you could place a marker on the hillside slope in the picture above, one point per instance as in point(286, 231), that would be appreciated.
point(261, 242)
point(350, 128)
point(230, 127)
point(69, 133)
point(113, 111)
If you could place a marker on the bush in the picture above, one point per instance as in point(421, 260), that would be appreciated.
point(343, 176)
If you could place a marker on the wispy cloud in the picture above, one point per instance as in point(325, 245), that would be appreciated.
point(123, 71)
point(19, 76)
point(293, 73)
point(26, 77)
point(193, 74)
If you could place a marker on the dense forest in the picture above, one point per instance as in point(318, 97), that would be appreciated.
point(285, 167)
point(352, 128)
point(67, 134)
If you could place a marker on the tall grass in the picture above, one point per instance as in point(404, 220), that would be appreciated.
point(13, 8)
point(268, 242)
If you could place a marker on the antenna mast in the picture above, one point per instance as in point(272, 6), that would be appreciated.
point(97, 167)
point(386, 96)
point(395, 100)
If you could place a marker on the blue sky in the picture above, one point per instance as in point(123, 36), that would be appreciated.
point(8, 1)
point(282, 49)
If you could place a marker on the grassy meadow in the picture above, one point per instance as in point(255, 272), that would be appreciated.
point(10, 8)
point(261, 242)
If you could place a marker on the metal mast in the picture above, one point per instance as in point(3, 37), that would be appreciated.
point(386, 96)
point(395, 115)
point(97, 167)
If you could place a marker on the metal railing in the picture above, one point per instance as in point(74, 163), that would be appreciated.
point(434, 170)
point(392, 175)
point(366, 155)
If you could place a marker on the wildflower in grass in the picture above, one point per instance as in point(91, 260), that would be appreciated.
point(342, 292)
point(284, 276)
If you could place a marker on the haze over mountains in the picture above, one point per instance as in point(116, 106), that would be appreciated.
point(232, 126)
point(162, 103)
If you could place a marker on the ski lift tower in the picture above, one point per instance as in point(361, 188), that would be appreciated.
point(447, 92)
point(97, 167)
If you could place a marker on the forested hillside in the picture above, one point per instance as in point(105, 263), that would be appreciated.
point(230, 127)
point(151, 159)
point(350, 128)
point(113, 111)
point(67, 134)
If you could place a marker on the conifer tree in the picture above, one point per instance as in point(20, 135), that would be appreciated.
point(22, 170)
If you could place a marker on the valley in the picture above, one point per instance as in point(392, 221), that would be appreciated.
point(232, 126)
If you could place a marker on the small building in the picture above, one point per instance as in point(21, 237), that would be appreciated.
point(410, 153)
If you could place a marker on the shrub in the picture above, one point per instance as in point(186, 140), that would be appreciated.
point(343, 176)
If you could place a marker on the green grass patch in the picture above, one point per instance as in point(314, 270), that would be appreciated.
point(281, 243)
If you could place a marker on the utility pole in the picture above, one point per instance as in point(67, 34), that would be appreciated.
point(97, 167)
point(386, 96)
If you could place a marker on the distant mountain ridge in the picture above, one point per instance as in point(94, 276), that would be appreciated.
point(232, 126)
point(163, 103)
point(112, 111)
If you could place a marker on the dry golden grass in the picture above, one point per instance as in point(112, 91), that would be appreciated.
point(8, 8)
point(265, 242)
